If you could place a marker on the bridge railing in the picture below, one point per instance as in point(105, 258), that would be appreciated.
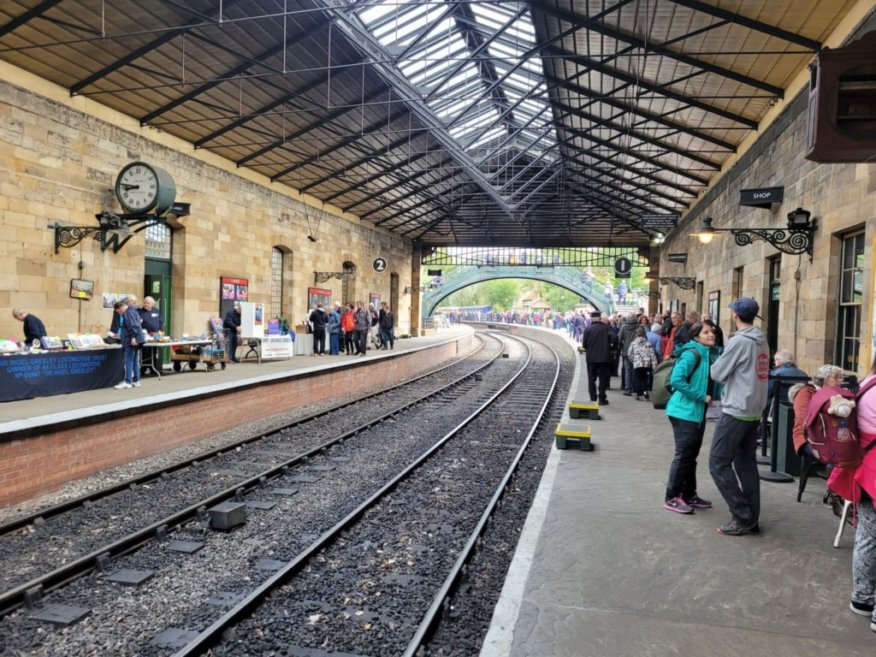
point(569, 278)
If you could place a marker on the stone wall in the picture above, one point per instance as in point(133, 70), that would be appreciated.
point(842, 198)
point(58, 163)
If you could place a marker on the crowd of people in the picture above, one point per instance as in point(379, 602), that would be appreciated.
point(735, 379)
point(355, 328)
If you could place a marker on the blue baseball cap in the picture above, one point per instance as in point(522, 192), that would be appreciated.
point(745, 307)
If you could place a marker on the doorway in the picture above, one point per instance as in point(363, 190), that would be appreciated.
point(774, 264)
point(157, 284)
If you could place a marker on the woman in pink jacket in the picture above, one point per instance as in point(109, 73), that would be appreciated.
point(859, 486)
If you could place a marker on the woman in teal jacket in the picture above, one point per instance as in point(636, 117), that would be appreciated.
point(693, 391)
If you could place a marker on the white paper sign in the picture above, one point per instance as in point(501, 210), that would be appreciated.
point(277, 346)
point(252, 320)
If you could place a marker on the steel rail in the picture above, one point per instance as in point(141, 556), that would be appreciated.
point(432, 617)
point(152, 475)
point(14, 598)
point(213, 633)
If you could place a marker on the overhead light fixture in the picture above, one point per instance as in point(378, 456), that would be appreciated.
point(795, 239)
point(706, 234)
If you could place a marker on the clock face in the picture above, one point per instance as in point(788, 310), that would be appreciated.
point(137, 187)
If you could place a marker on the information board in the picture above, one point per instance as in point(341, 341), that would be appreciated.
point(252, 319)
point(277, 346)
point(317, 295)
point(23, 376)
point(231, 291)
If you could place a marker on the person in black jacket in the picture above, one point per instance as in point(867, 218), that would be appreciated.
point(116, 329)
point(386, 321)
point(34, 329)
point(597, 341)
point(152, 324)
point(150, 316)
point(132, 338)
point(318, 319)
point(232, 324)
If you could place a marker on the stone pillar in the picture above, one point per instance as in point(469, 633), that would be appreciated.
point(416, 258)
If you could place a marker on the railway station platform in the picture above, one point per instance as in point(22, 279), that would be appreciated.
point(49, 441)
point(602, 570)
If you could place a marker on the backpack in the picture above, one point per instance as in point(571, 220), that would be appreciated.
point(662, 390)
point(834, 439)
point(348, 323)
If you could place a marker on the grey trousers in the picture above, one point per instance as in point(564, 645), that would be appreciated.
point(733, 464)
point(864, 556)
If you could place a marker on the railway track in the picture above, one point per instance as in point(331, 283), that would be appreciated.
point(419, 501)
point(122, 517)
point(327, 497)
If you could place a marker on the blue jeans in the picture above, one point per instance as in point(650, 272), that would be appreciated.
point(733, 464)
point(333, 343)
point(628, 374)
point(683, 471)
point(387, 338)
point(132, 363)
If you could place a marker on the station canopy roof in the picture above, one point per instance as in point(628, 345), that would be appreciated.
point(470, 122)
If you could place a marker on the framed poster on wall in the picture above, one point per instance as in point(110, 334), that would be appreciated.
point(374, 298)
point(231, 291)
point(715, 306)
point(80, 289)
point(315, 296)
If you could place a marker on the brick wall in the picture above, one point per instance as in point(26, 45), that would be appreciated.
point(38, 463)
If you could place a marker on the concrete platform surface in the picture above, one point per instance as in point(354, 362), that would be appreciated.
point(602, 570)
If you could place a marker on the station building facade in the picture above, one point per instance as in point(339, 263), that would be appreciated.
point(59, 158)
point(821, 309)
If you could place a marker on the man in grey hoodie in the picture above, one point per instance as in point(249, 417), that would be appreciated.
point(743, 368)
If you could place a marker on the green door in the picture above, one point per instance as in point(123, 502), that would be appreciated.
point(157, 284)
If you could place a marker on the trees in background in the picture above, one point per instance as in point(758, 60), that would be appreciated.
point(503, 293)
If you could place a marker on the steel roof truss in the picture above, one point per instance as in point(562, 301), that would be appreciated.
point(771, 30)
point(656, 118)
point(29, 15)
point(600, 28)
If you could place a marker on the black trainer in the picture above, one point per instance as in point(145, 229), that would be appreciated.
point(736, 528)
point(861, 608)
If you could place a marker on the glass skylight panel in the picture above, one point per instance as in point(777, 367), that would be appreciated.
point(373, 14)
point(500, 51)
point(486, 115)
point(403, 22)
point(462, 93)
point(492, 134)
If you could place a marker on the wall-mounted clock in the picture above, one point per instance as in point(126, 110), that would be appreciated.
point(143, 188)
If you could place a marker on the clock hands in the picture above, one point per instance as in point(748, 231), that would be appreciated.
point(127, 186)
